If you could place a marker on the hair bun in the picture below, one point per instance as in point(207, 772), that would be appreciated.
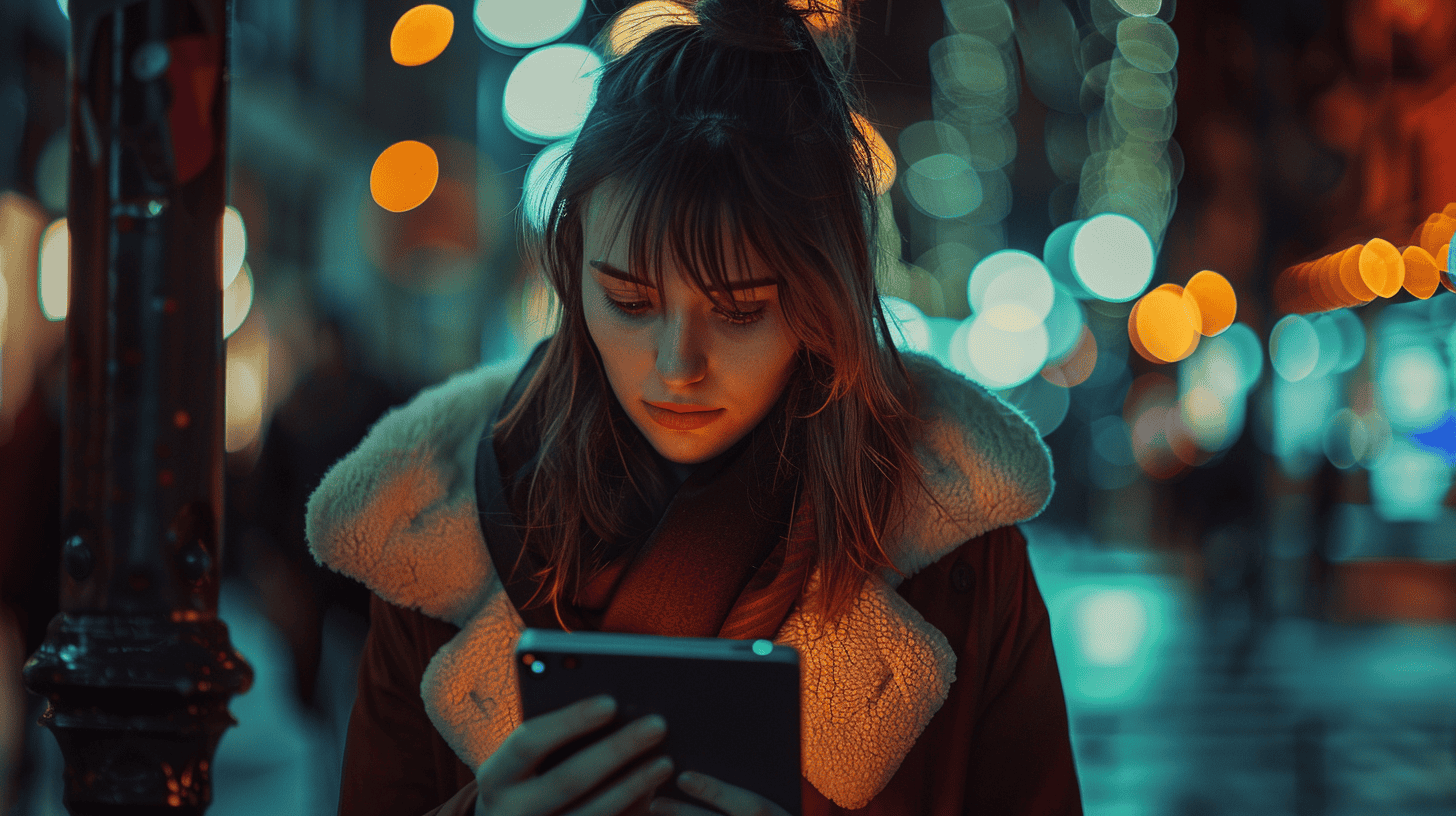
point(757, 25)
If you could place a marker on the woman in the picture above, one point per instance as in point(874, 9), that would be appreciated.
point(719, 440)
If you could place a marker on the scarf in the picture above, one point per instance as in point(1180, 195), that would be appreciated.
point(716, 557)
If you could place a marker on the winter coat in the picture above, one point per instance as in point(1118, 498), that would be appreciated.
point(935, 695)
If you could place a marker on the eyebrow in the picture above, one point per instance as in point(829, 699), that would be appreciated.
point(613, 272)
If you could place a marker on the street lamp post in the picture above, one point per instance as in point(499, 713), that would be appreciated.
point(137, 668)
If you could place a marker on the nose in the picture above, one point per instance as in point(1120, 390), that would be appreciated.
point(681, 358)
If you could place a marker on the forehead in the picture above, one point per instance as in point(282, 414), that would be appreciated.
point(611, 215)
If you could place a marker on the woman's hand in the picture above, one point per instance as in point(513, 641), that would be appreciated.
point(507, 787)
point(731, 800)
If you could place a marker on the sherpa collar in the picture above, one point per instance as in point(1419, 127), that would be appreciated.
point(398, 513)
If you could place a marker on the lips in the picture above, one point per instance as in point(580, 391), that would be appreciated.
point(680, 417)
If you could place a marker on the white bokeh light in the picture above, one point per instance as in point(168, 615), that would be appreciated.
point(234, 244)
point(1112, 257)
point(549, 92)
point(543, 181)
point(527, 25)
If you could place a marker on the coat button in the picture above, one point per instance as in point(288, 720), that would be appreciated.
point(962, 577)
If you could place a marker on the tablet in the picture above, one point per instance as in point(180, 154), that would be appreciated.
point(732, 706)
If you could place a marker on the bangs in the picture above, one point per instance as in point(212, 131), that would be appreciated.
point(703, 220)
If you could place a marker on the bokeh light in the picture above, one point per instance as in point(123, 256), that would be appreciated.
point(1413, 387)
point(1077, 366)
point(1111, 625)
point(1331, 344)
point(1065, 323)
point(1012, 290)
point(245, 390)
point(1112, 257)
point(1244, 344)
point(641, 19)
point(881, 156)
point(908, 328)
point(234, 244)
point(54, 283)
point(1140, 8)
point(1217, 303)
point(543, 180)
point(1148, 43)
point(1043, 404)
point(550, 91)
point(990, 19)
point(1163, 325)
point(1381, 267)
point(421, 34)
point(527, 25)
point(1422, 276)
point(1352, 338)
point(1346, 440)
point(237, 301)
point(943, 186)
point(1409, 482)
point(826, 13)
point(1057, 255)
point(974, 74)
point(998, 359)
point(1293, 348)
point(404, 175)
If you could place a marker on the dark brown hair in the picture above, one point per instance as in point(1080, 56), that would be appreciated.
point(732, 135)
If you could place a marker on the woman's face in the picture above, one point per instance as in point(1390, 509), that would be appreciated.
point(694, 374)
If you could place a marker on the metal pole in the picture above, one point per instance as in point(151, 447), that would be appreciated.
point(137, 668)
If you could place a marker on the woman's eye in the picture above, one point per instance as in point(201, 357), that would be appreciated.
point(629, 307)
point(741, 318)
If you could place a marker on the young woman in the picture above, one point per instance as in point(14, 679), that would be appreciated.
point(719, 440)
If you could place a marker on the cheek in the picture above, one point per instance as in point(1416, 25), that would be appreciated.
point(617, 347)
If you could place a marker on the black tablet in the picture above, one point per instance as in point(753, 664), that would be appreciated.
point(732, 706)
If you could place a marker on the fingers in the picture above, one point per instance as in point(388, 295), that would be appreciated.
point(672, 807)
point(589, 766)
point(732, 800)
point(538, 736)
point(640, 784)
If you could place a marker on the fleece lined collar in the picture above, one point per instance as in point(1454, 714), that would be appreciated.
point(398, 514)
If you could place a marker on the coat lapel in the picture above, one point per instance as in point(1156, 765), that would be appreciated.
point(399, 514)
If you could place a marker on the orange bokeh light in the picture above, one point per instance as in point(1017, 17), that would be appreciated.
point(882, 157)
point(637, 21)
point(1217, 302)
point(1422, 277)
point(1163, 324)
point(825, 14)
point(1435, 231)
point(421, 34)
point(404, 175)
point(1350, 278)
point(1381, 267)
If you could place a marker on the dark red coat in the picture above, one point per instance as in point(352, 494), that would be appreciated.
point(999, 744)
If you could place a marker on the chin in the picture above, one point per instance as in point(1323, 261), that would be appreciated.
point(685, 452)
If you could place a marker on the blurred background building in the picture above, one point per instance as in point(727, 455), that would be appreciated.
point(1205, 247)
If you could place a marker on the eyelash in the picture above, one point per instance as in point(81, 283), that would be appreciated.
point(635, 308)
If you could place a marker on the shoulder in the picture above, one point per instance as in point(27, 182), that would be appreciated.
point(398, 512)
point(973, 593)
point(983, 465)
